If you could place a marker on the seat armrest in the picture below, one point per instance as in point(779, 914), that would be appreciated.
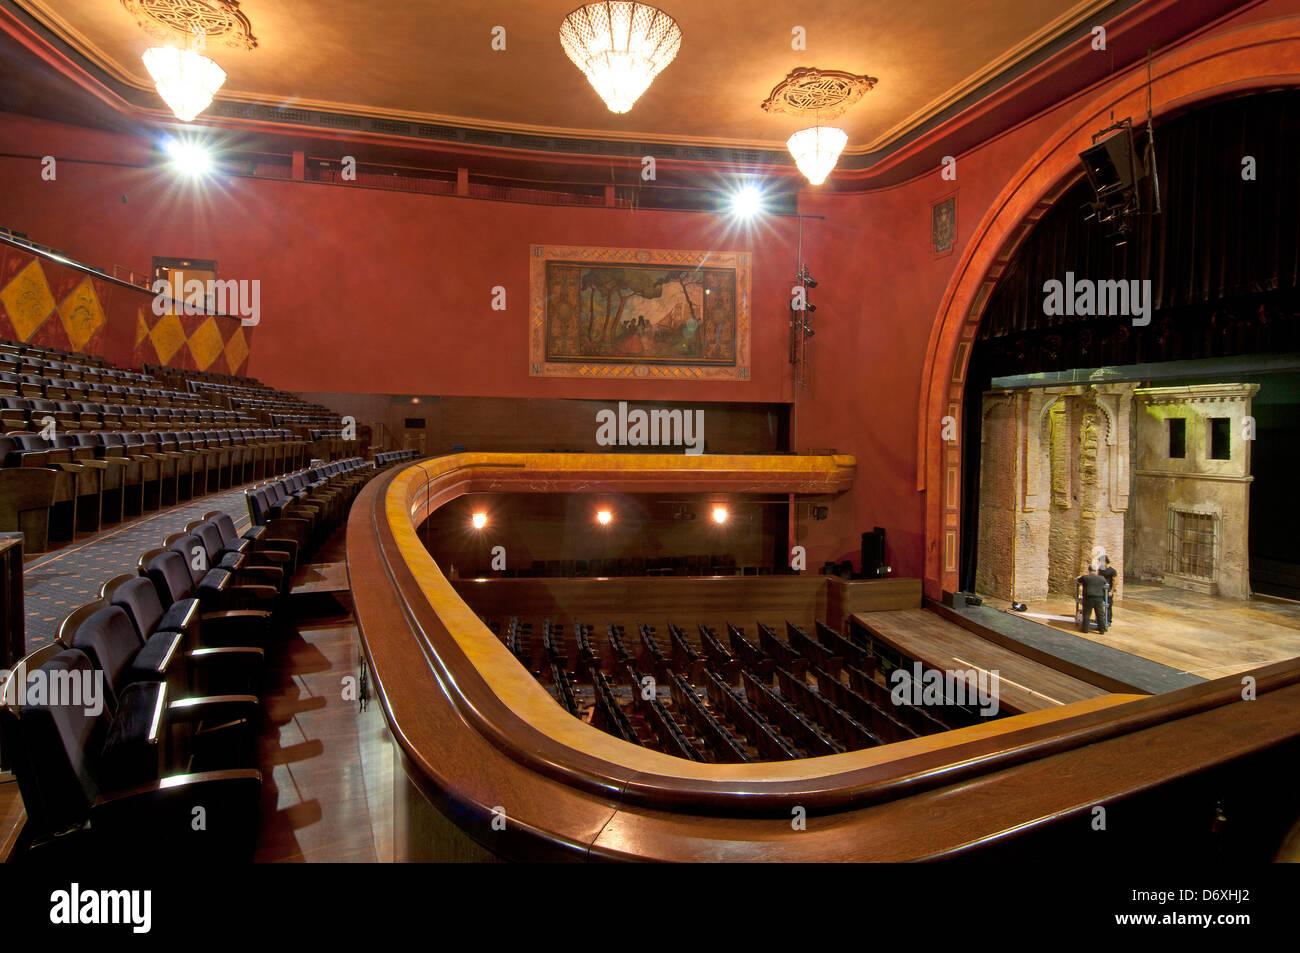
point(155, 659)
point(272, 576)
point(213, 709)
point(244, 656)
point(179, 617)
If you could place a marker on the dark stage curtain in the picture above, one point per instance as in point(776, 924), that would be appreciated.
point(1223, 257)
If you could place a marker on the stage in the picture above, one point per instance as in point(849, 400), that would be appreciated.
point(1194, 633)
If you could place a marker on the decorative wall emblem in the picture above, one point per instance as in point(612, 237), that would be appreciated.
point(824, 92)
point(216, 20)
point(943, 225)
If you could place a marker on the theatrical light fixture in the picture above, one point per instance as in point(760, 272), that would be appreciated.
point(479, 520)
point(719, 514)
point(1120, 166)
point(816, 150)
point(747, 201)
point(603, 517)
point(188, 158)
point(620, 47)
point(186, 80)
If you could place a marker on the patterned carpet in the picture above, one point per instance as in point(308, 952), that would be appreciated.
point(55, 583)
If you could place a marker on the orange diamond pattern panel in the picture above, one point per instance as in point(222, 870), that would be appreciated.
point(27, 300)
point(81, 315)
point(167, 337)
point(236, 349)
point(206, 344)
point(47, 303)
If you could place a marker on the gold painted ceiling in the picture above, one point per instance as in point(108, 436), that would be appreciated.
point(433, 61)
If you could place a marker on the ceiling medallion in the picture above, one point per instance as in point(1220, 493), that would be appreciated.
point(824, 92)
point(217, 20)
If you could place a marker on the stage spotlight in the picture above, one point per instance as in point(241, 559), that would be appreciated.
point(479, 520)
point(603, 517)
point(188, 158)
point(747, 201)
point(719, 514)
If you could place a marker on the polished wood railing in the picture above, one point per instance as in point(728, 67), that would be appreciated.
point(492, 767)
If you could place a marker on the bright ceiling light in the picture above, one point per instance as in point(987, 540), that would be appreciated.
point(479, 520)
point(186, 80)
point(188, 158)
point(603, 517)
point(719, 514)
point(621, 47)
point(816, 150)
point(747, 201)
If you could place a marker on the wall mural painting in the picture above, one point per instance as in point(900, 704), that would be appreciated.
point(611, 312)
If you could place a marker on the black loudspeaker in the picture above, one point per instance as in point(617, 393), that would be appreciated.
point(873, 553)
point(1113, 163)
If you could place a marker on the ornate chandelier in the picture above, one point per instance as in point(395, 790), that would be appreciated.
point(621, 47)
point(186, 80)
point(816, 150)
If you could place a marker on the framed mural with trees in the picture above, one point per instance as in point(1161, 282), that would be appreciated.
point(639, 313)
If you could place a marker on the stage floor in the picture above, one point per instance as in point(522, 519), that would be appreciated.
point(1202, 635)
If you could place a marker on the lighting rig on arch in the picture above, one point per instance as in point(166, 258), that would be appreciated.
point(801, 315)
point(1121, 168)
point(801, 323)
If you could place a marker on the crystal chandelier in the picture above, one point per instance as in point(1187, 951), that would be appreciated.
point(186, 80)
point(621, 47)
point(816, 150)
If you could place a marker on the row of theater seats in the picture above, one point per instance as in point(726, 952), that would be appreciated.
point(390, 457)
point(245, 394)
point(165, 763)
point(42, 353)
point(312, 422)
point(39, 368)
point(57, 388)
point(213, 377)
point(20, 413)
point(53, 487)
point(742, 698)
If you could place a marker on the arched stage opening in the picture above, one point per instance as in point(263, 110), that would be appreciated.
point(1163, 436)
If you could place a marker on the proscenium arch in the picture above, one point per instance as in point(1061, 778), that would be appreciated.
point(1255, 57)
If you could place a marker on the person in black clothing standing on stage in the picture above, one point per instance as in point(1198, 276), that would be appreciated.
point(1108, 572)
point(1094, 599)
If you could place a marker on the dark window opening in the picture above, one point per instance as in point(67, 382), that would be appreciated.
point(414, 423)
point(1177, 438)
point(1220, 438)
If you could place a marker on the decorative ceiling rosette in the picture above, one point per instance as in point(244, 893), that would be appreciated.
point(214, 20)
point(826, 93)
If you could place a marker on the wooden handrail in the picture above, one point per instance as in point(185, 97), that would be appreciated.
point(462, 710)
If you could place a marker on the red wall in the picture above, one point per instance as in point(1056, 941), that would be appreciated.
point(370, 291)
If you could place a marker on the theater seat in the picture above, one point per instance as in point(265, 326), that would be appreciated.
point(172, 584)
point(212, 729)
point(77, 488)
point(26, 499)
point(91, 780)
point(257, 537)
point(264, 566)
point(221, 586)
